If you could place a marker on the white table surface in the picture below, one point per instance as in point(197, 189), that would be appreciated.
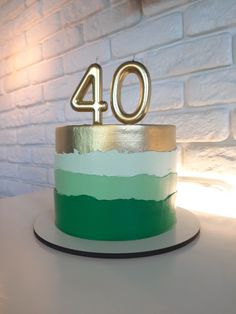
point(197, 279)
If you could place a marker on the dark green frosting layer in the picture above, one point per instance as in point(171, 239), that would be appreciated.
point(120, 219)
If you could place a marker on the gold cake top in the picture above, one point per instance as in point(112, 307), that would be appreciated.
point(123, 138)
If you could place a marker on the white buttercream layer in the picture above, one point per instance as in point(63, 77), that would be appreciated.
point(113, 163)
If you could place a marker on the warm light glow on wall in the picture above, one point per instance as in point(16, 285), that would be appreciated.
point(208, 195)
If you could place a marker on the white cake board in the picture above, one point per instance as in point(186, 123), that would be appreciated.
point(186, 229)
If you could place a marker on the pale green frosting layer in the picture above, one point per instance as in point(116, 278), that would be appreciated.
point(140, 187)
point(113, 163)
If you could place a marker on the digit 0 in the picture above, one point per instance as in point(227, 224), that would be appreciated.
point(145, 94)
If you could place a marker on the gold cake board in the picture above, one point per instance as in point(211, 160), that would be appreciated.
point(186, 229)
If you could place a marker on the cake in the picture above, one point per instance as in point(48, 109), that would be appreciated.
point(115, 182)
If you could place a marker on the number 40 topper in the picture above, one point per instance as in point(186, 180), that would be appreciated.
point(93, 77)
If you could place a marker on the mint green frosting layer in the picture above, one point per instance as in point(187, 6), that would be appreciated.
point(141, 187)
point(130, 219)
point(113, 163)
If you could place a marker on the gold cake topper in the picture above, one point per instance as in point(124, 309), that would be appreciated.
point(93, 77)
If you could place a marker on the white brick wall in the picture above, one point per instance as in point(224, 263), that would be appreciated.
point(112, 19)
point(196, 126)
point(221, 158)
point(62, 41)
point(18, 79)
point(75, 11)
point(169, 30)
point(216, 87)
point(78, 59)
point(209, 15)
point(188, 46)
point(191, 56)
point(43, 29)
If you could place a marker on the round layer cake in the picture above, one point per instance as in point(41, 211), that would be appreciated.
point(115, 182)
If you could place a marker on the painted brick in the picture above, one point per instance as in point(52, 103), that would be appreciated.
point(18, 154)
point(114, 2)
point(3, 153)
point(45, 28)
point(11, 9)
point(30, 2)
point(211, 88)
point(77, 10)
point(33, 134)
point(233, 123)
point(3, 2)
point(6, 66)
point(28, 57)
point(13, 46)
point(6, 31)
point(195, 126)
point(28, 96)
point(4, 192)
point(209, 15)
point(147, 35)
point(50, 133)
point(6, 102)
point(62, 88)
point(8, 170)
point(234, 48)
point(3, 188)
point(110, 20)
point(45, 71)
point(18, 79)
point(167, 96)
point(51, 179)
point(52, 5)
point(179, 158)
point(17, 188)
point(29, 16)
point(191, 56)
point(152, 7)
point(15, 118)
point(8, 137)
point(62, 41)
point(39, 186)
point(81, 58)
point(208, 159)
point(32, 174)
point(43, 155)
point(1, 87)
point(47, 112)
point(1, 66)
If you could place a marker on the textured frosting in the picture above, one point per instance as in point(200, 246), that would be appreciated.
point(140, 187)
point(113, 163)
